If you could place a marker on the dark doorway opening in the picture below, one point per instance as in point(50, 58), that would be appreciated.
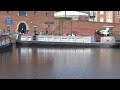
point(22, 28)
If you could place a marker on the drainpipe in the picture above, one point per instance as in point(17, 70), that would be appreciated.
point(71, 27)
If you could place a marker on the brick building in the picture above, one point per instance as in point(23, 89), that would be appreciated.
point(23, 21)
point(108, 16)
point(83, 28)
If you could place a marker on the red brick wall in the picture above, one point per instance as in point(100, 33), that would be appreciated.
point(31, 20)
point(116, 17)
point(84, 28)
point(83, 18)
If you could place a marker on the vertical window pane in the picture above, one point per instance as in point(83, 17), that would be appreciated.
point(101, 19)
point(8, 28)
point(47, 28)
point(35, 29)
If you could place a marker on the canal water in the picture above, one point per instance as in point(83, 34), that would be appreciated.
point(60, 63)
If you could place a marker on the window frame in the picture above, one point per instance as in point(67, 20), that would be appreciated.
point(101, 18)
point(8, 29)
point(8, 12)
point(35, 12)
point(47, 13)
point(101, 12)
point(22, 15)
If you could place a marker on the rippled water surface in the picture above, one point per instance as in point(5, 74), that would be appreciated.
point(60, 63)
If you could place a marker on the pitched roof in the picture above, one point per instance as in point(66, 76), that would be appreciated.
point(69, 13)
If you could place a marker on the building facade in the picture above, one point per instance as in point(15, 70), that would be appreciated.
point(108, 16)
point(27, 21)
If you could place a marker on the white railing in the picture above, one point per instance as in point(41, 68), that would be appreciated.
point(26, 38)
point(72, 39)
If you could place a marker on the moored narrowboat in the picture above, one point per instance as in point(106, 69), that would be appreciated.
point(102, 38)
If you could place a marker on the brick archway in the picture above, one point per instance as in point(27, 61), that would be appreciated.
point(27, 28)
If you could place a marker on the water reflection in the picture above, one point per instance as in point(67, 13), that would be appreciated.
point(60, 63)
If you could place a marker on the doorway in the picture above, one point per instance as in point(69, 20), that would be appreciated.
point(22, 28)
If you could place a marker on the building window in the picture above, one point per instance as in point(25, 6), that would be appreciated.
point(22, 13)
point(92, 15)
point(8, 12)
point(35, 12)
point(35, 29)
point(101, 19)
point(109, 12)
point(101, 12)
point(47, 13)
point(47, 28)
point(110, 20)
point(118, 13)
point(8, 28)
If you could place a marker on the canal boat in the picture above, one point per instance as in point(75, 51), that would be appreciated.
point(66, 41)
point(102, 38)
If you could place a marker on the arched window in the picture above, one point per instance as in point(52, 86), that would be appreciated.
point(22, 13)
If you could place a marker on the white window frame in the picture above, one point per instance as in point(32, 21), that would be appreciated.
point(101, 12)
point(109, 20)
point(101, 18)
